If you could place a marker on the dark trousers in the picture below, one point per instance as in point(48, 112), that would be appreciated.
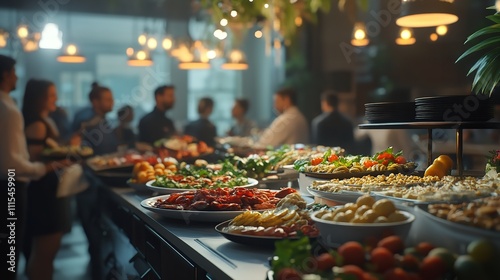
point(12, 222)
point(89, 213)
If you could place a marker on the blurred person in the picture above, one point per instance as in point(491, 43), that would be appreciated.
point(14, 157)
point(156, 125)
point(125, 135)
point(332, 128)
point(243, 126)
point(96, 132)
point(83, 114)
point(290, 126)
point(48, 217)
point(203, 129)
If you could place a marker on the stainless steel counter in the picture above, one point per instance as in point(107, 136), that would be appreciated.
point(198, 242)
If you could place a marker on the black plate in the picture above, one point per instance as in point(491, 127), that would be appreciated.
point(251, 240)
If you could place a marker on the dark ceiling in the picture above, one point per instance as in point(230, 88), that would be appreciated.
point(172, 9)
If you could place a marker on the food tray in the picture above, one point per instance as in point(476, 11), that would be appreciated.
point(251, 240)
point(430, 228)
point(189, 215)
point(164, 190)
point(341, 197)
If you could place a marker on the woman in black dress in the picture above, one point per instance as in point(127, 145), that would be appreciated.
point(48, 217)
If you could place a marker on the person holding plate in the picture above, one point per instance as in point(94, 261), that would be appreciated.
point(48, 217)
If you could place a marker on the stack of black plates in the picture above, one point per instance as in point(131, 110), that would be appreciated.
point(390, 112)
point(456, 108)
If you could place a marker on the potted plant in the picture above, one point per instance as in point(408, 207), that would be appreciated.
point(487, 45)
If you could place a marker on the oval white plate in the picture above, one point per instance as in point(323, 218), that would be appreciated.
point(163, 190)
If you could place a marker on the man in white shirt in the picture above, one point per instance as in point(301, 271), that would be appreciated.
point(16, 170)
point(290, 127)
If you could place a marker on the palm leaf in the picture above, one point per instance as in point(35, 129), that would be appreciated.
point(477, 65)
point(484, 31)
point(495, 18)
point(488, 72)
point(490, 42)
point(487, 67)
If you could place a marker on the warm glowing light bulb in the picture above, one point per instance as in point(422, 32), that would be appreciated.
point(130, 51)
point(266, 5)
point(22, 31)
point(223, 35)
point(298, 21)
point(167, 43)
point(71, 49)
point(236, 56)
point(258, 34)
point(152, 43)
point(234, 13)
point(217, 33)
point(442, 30)
point(359, 34)
point(434, 37)
point(141, 55)
point(211, 54)
point(223, 22)
point(142, 39)
point(405, 34)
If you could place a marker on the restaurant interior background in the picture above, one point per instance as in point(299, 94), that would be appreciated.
point(321, 58)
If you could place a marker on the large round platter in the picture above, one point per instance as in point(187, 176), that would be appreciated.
point(252, 240)
point(189, 215)
point(341, 197)
point(162, 190)
point(346, 175)
point(408, 201)
point(428, 227)
point(138, 186)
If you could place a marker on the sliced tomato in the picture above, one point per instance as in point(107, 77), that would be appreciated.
point(316, 161)
point(333, 157)
point(400, 160)
point(369, 163)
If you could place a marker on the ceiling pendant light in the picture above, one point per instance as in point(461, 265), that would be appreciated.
point(140, 58)
point(426, 13)
point(405, 37)
point(70, 55)
point(197, 59)
point(359, 38)
point(235, 61)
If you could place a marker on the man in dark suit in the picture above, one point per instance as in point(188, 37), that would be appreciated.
point(156, 125)
point(332, 128)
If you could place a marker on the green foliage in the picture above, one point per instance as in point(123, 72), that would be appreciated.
point(284, 11)
point(487, 67)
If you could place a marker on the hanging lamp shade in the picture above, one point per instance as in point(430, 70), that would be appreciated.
point(235, 61)
point(196, 58)
point(70, 55)
point(140, 58)
point(426, 13)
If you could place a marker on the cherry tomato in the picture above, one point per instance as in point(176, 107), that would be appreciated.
point(385, 155)
point(316, 161)
point(400, 160)
point(369, 163)
point(333, 158)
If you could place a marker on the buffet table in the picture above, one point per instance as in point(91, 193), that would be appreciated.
point(179, 250)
